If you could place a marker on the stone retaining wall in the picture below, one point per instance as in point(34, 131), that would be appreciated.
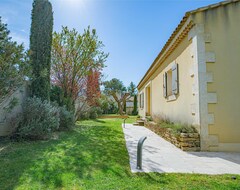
point(184, 141)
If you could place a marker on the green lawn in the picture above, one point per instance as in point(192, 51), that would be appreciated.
point(93, 156)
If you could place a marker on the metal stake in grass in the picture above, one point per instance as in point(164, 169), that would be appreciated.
point(139, 152)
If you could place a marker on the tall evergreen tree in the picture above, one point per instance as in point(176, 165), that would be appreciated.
point(40, 47)
point(135, 112)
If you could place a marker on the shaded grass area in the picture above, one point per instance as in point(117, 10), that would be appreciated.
point(93, 156)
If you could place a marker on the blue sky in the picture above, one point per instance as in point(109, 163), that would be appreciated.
point(133, 31)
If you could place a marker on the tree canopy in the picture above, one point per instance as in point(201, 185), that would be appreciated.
point(74, 56)
point(119, 92)
point(12, 66)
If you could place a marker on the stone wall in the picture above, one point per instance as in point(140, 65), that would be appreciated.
point(7, 114)
point(184, 141)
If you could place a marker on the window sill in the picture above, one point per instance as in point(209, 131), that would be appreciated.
point(171, 98)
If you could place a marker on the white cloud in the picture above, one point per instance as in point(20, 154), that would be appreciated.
point(20, 39)
point(22, 30)
point(5, 20)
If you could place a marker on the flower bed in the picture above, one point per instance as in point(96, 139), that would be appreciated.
point(185, 141)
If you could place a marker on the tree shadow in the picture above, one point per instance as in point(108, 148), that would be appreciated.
point(76, 156)
point(99, 121)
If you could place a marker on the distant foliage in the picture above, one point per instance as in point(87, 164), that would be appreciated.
point(107, 105)
point(132, 89)
point(40, 47)
point(39, 120)
point(91, 113)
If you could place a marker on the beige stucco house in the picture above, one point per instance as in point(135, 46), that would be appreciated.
point(195, 79)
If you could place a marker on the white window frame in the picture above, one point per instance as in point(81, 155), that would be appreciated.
point(173, 82)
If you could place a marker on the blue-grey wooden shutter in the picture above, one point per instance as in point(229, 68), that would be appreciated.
point(175, 82)
point(164, 85)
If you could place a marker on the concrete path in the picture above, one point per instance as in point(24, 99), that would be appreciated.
point(161, 156)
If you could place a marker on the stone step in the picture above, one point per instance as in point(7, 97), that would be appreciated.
point(135, 124)
point(139, 124)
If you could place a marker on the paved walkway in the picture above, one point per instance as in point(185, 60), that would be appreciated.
point(161, 156)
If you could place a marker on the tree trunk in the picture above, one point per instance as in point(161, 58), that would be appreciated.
point(120, 101)
point(120, 108)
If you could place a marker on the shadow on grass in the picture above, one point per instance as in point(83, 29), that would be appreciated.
point(99, 121)
point(76, 157)
point(92, 156)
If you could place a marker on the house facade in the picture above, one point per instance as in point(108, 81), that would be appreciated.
point(195, 79)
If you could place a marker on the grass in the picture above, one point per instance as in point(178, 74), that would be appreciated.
point(93, 156)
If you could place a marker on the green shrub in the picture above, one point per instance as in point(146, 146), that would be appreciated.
point(66, 119)
point(187, 129)
point(40, 119)
point(56, 95)
point(84, 116)
point(92, 113)
point(95, 112)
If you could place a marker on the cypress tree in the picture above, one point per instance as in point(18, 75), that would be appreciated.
point(40, 48)
point(134, 112)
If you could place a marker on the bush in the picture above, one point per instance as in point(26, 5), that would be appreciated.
point(187, 129)
point(92, 113)
point(40, 119)
point(84, 116)
point(66, 119)
point(107, 105)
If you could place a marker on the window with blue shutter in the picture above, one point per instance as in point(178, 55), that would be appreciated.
point(171, 81)
point(175, 82)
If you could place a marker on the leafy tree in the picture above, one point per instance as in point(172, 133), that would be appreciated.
point(40, 47)
point(118, 91)
point(74, 56)
point(13, 67)
point(93, 88)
